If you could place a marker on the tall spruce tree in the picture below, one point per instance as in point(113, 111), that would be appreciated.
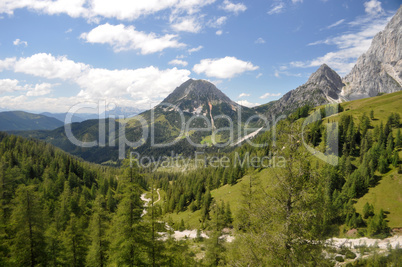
point(28, 245)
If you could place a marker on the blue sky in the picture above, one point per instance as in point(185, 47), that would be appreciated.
point(55, 54)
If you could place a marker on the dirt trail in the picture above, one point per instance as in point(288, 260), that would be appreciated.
point(147, 200)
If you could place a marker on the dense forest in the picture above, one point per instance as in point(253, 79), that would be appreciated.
point(57, 210)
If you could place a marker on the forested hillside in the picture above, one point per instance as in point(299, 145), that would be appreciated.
point(56, 210)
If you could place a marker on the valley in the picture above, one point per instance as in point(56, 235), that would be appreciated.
point(198, 178)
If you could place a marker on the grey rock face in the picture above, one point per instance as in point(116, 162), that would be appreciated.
point(323, 86)
point(379, 70)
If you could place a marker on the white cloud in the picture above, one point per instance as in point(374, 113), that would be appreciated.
point(178, 62)
point(187, 24)
point(266, 95)
point(349, 45)
point(286, 73)
point(18, 42)
point(69, 30)
point(123, 38)
point(216, 23)
point(195, 49)
point(129, 10)
point(93, 10)
point(9, 86)
point(143, 85)
point(73, 8)
point(246, 103)
point(276, 8)
point(339, 22)
point(297, 1)
point(260, 41)
point(48, 66)
point(373, 7)
point(223, 68)
point(259, 75)
point(231, 7)
point(41, 89)
point(243, 95)
point(219, 32)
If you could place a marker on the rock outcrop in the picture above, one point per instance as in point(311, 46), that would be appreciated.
point(379, 70)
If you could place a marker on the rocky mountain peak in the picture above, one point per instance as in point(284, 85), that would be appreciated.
point(328, 80)
point(379, 70)
point(197, 90)
point(198, 97)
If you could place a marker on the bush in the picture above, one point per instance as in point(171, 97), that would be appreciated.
point(350, 255)
point(339, 259)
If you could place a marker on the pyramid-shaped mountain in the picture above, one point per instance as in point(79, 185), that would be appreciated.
point(201, 97)
point(323, 86)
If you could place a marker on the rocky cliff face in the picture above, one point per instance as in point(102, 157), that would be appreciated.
point(324, 86)
point(379, 70)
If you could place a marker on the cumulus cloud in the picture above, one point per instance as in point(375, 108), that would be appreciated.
point(18, 42)
point(247, 103)
point(123, 38)
point(266, 95)
point(12, 85)
point(223, 68)
point(234, 8)
point(48, 66)
point(93, 10)
point(143, 85)
point(187, 24)
point(41, 89)
point(243, 95)
point(373, 7)
point(178, 62)
point(219, 32)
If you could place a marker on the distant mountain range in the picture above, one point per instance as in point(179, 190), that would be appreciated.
point(23, 121)
point(377, 71)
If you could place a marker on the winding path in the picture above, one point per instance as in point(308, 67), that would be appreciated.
point(147, 200)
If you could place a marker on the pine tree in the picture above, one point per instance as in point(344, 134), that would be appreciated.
point(372, 114)
point(28, 244)
point(382, 164)
point(395, 159)
point(74, 246)
point(289, 212)
point(126, 238)
point(214, 245)
point(97, 251)
point(398, 140)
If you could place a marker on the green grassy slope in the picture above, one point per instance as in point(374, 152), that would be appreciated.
point(387, 195)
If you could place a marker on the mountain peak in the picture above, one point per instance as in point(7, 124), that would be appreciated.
point(197, 91)
point(379, 70)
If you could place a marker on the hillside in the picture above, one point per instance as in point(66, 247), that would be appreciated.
point(24, 121)
point(384, 193)
point(198, 103)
